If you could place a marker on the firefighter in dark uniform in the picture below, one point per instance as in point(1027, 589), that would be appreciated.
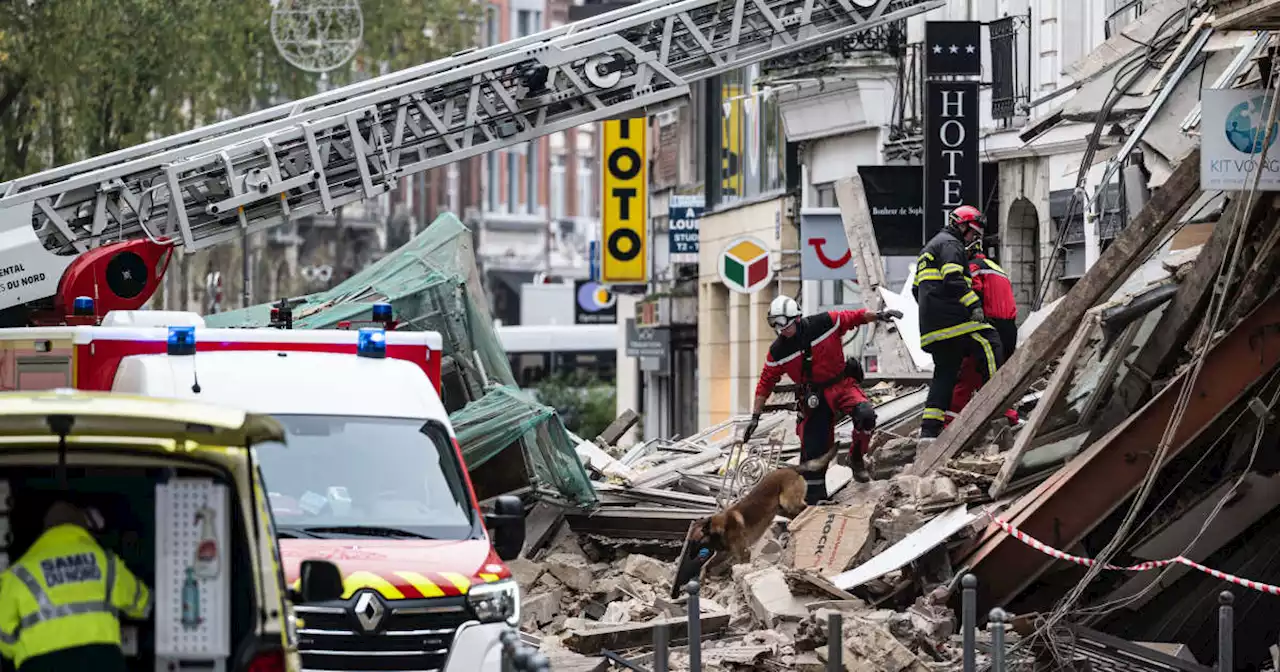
point(810, 351)
point(58, 602)
point(952, 324)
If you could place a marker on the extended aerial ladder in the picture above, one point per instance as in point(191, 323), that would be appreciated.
point(215, 183)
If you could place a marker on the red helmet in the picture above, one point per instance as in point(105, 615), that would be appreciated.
point(967, 217)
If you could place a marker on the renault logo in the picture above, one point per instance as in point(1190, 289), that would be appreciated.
point(369, 610)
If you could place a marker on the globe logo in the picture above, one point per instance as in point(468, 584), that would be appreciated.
point(1243, 127)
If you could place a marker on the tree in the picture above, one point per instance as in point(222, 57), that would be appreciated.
point(585, 405)
point(80, 78)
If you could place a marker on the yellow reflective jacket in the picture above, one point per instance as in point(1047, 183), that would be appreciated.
point(65, 592)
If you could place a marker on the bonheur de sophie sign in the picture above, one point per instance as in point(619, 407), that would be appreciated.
point(1233, 140)
point(952, 170)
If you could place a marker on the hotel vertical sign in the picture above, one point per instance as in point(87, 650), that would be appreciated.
point(952, 167)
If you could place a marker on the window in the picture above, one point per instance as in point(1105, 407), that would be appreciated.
point(824, 195)
point(528, 22)
point(491, 34)
point(752, 141)
point(351, 477)
point(531, 177)
point(513, 182)
point(558, 187)
point(586, 188)
point(491, 176)
point(831, 293)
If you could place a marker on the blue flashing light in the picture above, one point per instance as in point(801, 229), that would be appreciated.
point(83, 305)
point(381, 312)
point(182, 341)
point(372, 343)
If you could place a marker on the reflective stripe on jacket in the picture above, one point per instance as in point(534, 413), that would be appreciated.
point(992, 285)
point(64, 593)
point(942, 290)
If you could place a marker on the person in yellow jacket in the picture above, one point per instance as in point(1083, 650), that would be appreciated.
point(59, 601)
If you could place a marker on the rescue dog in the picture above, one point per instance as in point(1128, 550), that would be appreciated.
point(727, 537)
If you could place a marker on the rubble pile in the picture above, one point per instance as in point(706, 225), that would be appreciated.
point(595, 584)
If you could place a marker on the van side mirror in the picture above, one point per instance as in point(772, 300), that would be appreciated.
point(321, 581)
point(506, 523)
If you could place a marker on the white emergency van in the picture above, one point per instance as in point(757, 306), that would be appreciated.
point(371, 479)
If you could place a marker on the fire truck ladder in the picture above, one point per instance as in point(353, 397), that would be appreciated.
point(212, 184)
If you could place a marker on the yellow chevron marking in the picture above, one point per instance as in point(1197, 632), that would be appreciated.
point(489, 578)
point(462, 582)
point(363, 579)
point(426, 586)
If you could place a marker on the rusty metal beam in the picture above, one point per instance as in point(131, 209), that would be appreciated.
point(1061, 511)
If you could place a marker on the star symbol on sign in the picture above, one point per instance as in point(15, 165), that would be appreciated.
point(954, 49)
point(937, 48)
point(127, 275)
point(969, 49)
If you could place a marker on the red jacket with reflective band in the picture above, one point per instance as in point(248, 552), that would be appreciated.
point(992, 285)
point(824, 332)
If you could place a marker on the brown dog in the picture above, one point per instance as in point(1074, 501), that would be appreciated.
point(727, 537)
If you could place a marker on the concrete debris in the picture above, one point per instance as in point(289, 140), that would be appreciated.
point(602, 581)
point(573, 571)
point(769, 596)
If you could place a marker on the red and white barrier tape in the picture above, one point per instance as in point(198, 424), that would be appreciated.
point(1140, 567)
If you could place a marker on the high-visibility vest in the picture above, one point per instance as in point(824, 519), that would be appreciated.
point(64, 593)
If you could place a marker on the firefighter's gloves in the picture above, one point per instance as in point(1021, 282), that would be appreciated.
point(751, 427)
point(888, 315)
point(977, 315)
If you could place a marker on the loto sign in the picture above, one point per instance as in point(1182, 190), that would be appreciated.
point(624, 210)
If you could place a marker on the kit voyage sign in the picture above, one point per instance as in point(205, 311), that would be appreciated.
point(952, 168)
point(624, 211)
point(1234, 142)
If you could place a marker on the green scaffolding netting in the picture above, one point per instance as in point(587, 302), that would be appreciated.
point(432, 284)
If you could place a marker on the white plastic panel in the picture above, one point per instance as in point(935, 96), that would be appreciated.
point(182, 505)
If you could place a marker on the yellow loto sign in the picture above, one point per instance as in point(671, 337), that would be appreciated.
point(624, 209)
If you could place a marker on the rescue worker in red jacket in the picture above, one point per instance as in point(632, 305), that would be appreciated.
point(809, 350)
point(994, 289)
point(952, 323)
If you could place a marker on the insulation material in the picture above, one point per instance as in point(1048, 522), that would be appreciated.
point(909, 324)
point(827, 538)
point(505, 415)
point(193, 586)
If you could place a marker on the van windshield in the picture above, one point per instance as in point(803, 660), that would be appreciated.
point(347, 477)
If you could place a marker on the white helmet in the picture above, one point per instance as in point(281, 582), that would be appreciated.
point(783, 312)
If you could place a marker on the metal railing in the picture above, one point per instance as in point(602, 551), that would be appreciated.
point(999, 649)
point(517, 657)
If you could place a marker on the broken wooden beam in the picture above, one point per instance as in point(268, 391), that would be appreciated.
point(617, 428)
point(632, 635)
point(1045, 343)
point(1057, 385)
point(541, 525)
point(1179, 319)
point(1062, 510)
point(633, 522)
point(855, 214)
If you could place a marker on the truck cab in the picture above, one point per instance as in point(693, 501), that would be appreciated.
point(372, 479)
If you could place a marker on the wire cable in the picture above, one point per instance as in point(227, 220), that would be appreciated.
point(1047, 631)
